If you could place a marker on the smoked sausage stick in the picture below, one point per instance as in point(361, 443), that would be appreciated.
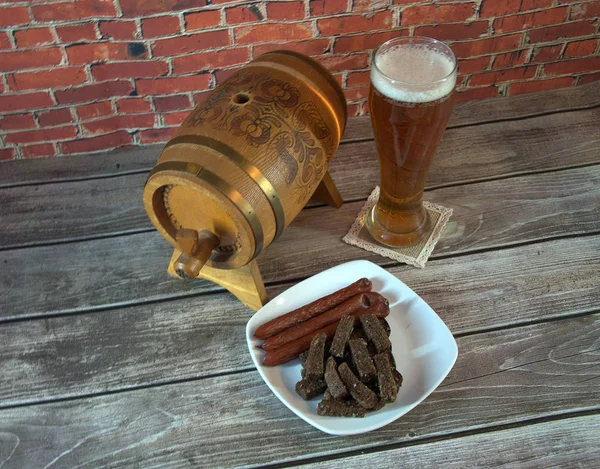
point(293, 349)
point(311, 310)
point(353, 305)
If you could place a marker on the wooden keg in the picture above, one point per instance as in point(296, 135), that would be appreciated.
point(246, 161)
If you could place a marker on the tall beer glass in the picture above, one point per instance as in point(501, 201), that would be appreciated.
point(411, 98)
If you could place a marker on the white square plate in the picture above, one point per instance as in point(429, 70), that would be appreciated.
point(422, 344)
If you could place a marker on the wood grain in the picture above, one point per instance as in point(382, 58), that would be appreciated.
point(125, 269)
point(84, 209)
point(484, 152)
point(359, 128)
point(571, 442)
point(501, 377)
point(200, 336)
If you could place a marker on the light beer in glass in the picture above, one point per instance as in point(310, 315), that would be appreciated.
point(410, 99)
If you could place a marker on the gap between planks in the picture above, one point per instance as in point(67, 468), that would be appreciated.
point(135, 231)
point(292, 281)
point(433, 439)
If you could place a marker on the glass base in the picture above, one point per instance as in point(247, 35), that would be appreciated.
point(393, 239)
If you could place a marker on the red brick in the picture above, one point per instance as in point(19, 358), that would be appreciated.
point(90, 111)
point(117, 29)
point(22, 60)
point(7, 154)
point(363, 42)
point(446, 32)
point(17, 122)
point(354, 23)
point(584, 79)
point(428, 14)
point(202, 20)
point(473, 65)
point(243, 14)
point(281, 11)
point(357, 94)
point(157, 135)
point(74, 10)
point(14, 16)
point(55, 117)
point(539, 85)
point(4, 41)
point(489, 78)
point(486, 46)
point(491, 8)
point(173, 85)
point(191, 43)
point(54, 78)
point(314, 47)
point(25, 101)
point(175, 118)
point(223, 75)
point(272, 32)
point(357, 79)
point(94, 92)
point(581, 48)
point(172, 103)
point(138, 8)
point(510, 59)
point(591, 64)
point(369, 5)
point(38, 150)
point(509, 24)
point(199, 97)
point(101, 52)
point(585, 10)
point(119, 122)
point(133, 105)
point(80, 32)
point(327, 7)
point(33, 37)
point(338, 63)
point(545, 54)
point(551, 33)
point(339, 77)
point(210, 60)
point(160, 26)
point(42, 135)
point(475, 93)
point(110, 71)
point(535, 4)
point(104, 142)
point(353, 110)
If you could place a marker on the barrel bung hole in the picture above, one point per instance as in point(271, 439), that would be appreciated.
point(241, 98)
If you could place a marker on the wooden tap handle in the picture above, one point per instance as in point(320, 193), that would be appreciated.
point(187, 240)
point(189, 264)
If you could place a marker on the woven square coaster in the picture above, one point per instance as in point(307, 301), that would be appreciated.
point(416, 255)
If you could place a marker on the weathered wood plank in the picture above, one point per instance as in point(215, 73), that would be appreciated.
point(92, 208)
point(359, 128)
point(126, 269)
point(196, 337)
point(572, 442)
point(524, 105)
point(484, 152)
point(72, 168)
point(501, 377)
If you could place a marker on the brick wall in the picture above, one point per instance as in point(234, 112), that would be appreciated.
point(91, 75)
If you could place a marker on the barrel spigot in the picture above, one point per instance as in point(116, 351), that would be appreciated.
point(196, 248)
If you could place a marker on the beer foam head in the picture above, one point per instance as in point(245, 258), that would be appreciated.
point(413, 73)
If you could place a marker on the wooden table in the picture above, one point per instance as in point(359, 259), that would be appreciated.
point(105, 361)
